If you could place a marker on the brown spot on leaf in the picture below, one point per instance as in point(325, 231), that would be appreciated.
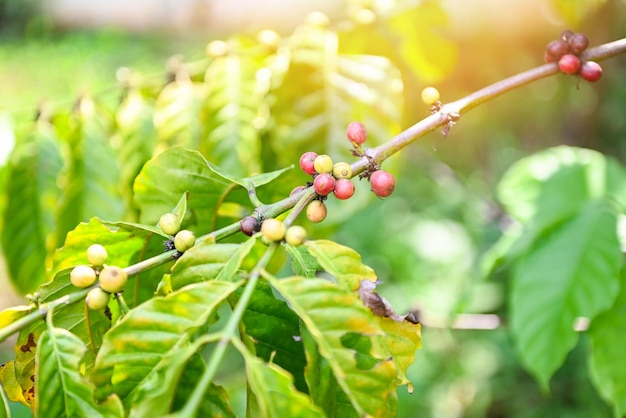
point(25, 348)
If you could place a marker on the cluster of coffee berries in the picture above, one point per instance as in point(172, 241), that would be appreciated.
point(566, 52)
point(335, 177)
point(111, 279)
point(274, 230)
point(183, 240)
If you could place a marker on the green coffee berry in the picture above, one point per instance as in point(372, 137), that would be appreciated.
point(169, 223)
point(323, 164)
point(83, 276)
point(295, 235)
point(316, 211)
point(430, 95)
point(273, 229)
point(97, 299)
point(342, 170)
point(112, 279)
point(184, 240)
point(96, 255)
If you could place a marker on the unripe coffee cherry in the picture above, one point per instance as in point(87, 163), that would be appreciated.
point(169, 223)
point(316, 211)
point(590, 71)
point(382, 183)
point(306, 162)
point(344, 189)
point(356, 133)
point(184, 240)
point(96, 255)
point(97, 299)
point(273, 229)
point(342, 170)
point(430, 95)
point(112, 279)
point(324, 184)
point(323, 164)
point(578, 43)
point(569, 64)
point(250, 225)
point(295, 235)
point(83, 276)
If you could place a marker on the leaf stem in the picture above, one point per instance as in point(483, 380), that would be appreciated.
point(195, 400)
point(41, 312)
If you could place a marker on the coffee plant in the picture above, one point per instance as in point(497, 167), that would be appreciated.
point(182, 235)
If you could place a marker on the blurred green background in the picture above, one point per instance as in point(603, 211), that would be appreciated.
point(426, 241)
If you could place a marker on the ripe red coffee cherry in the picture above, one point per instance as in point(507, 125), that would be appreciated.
point(250, 225)
point(556, 49)
point(356, 133)
point(184, 240)
point(97, 299)
point(295, 235)
point(169, 223)
point(342, 170)
point(96, 255)
point(382, 183)
point(344, 189)
point(569, 64)
point(590, 71)
point(112, 279)
point(566, 35)
point(316, 211)
point(578, 43)
point(324, 184)
point(323, 164)
point(306, 162)
point(273, 229)
point(83, 276)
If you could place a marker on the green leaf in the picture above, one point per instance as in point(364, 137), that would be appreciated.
point(401, 340)
point(61, 389)
point(250, 183)
point(177, 114)
point(202, 262)
point(275, 393)
point(534, 188)
point(302, 262)
point(31, 190)
point(323, 387)
point(608, 372)
point(342, 262)
point(232, 266)
point(215, 402)
point(176, 375)
point(4, 405)
point(329, 312)
point(572, 273)
point(170, 174)
point(134, 347)
point(274, 329)
point(92, 175)
point(12, 314)
point(135, 130)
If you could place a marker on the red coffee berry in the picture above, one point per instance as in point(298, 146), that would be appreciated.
point(382, 183)
point(344, 189)
point(356, 133)
point(578, 43)
point(566, 35)
point(306, 162)
point(296, 189)
point(324, 184)
point(590, 71)
point(316, 211)
point(569, 64)
point(250, 225)
point(555, 50)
